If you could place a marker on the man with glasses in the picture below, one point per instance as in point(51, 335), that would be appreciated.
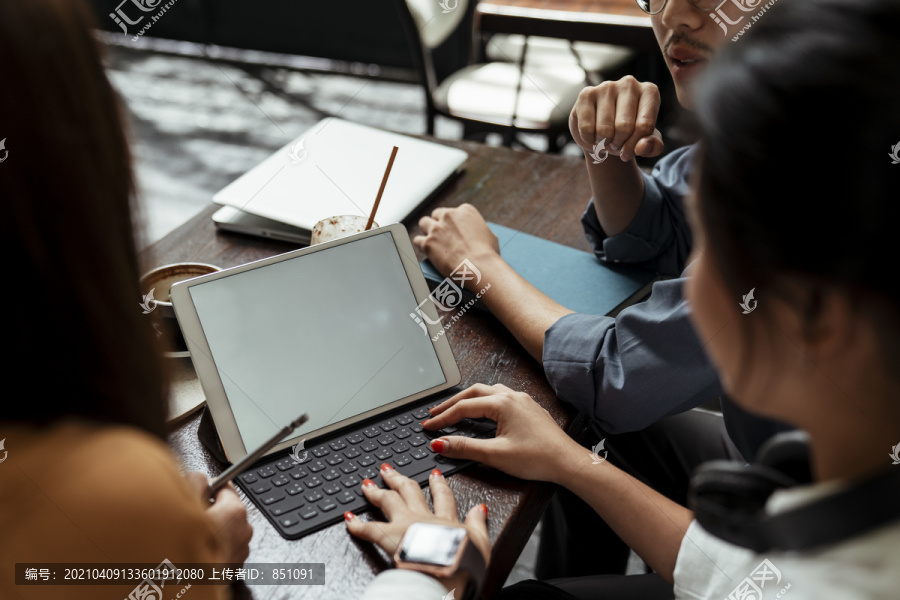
point(642, 371)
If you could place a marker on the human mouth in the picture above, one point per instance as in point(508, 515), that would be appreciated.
point(685, 62)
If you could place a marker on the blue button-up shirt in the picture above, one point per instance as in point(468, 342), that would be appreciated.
point(648, 362)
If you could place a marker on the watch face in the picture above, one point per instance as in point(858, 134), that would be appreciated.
point(432, 544)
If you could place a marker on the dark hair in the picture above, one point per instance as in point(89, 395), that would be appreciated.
point(81, 344)
point(798, 118)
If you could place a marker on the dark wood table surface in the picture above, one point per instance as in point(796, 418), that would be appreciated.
point(619, 22)
point(538, 194)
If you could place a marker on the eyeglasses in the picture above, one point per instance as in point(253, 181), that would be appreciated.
point(652, 7)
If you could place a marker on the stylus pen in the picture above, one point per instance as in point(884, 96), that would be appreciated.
point(232, 471)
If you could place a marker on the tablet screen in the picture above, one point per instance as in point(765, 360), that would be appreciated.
point(327, 333)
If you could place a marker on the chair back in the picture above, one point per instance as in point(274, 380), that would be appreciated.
point(428, 24)
point(435, 20)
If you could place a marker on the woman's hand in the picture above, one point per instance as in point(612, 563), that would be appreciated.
point(404, 504)
point(528, 444)
point(229, 517)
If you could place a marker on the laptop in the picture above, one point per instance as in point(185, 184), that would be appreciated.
point(331, 330)
point(231, 219)
point(336, 168)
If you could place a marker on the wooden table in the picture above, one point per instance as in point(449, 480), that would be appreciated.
point(539, 194)
point(619, 22)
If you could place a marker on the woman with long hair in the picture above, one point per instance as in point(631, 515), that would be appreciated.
point(87, 476)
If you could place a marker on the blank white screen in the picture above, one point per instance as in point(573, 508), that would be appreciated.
point(327, 333)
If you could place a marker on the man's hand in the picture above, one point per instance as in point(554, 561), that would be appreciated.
point(622, 112)
point(454, 234)
point(229, 518)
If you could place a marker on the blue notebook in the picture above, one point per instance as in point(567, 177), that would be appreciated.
point(575, 279)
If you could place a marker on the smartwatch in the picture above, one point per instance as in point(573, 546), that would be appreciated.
point(442, 551)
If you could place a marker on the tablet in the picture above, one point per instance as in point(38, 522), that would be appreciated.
point(328, 330)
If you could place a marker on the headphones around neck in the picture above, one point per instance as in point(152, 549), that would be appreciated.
point(728, 499)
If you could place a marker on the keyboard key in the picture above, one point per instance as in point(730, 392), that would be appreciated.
point(369, 473)
point(384, 454)
point(280, 480)
point(335, 460)
point(371, 432)
point(422, 414)
point(468, 434)
point(320, 451)
point(286, 506)
point(261, 488)
point(349, 468)
point(368, 446)
point(285, 464)
point(249, 478)
point(449, 429)
point(271, 498)
point(266, 472)
point(313, 496)
point(402, 433)
point(308, 512)
point(331, 474)
point(416, 467)
point(402, 460)
point(354, 438)
point(366, 460)
point(400, 448)
point(327, 504)
point(351, 481)
point(352, 453)
point(294, 489)
point(416, 428)
point(317, 466)
point(298, 473)
point(345, 497)
point(331, 488)
point(386, 440)
point(404, 420)
point(337, 445)
point(388, 426)
point(288, 522)
point(313, 482)
point(417, 440)
point(419, 453)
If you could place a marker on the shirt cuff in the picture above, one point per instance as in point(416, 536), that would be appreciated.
point(570, 346)
point(403, 583)
point(707, 566)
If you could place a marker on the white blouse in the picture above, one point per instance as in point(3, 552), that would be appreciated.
point(866, 566)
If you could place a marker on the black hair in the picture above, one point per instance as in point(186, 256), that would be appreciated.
point(81, 345)
point(799, 117)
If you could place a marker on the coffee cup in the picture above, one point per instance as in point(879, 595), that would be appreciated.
point(334, 228)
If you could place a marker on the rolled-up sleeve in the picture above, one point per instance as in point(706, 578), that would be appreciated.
point(658, 238)
point(629, 371)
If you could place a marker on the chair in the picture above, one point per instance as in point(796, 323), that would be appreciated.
point(594, 59)
point(493, 97)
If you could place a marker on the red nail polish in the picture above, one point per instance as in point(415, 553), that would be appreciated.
point(438, 445)
point(349, 516)
point(436, 473)
point(425, 422)
point(484, 510)
point(368, 482)
point(386, 467)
